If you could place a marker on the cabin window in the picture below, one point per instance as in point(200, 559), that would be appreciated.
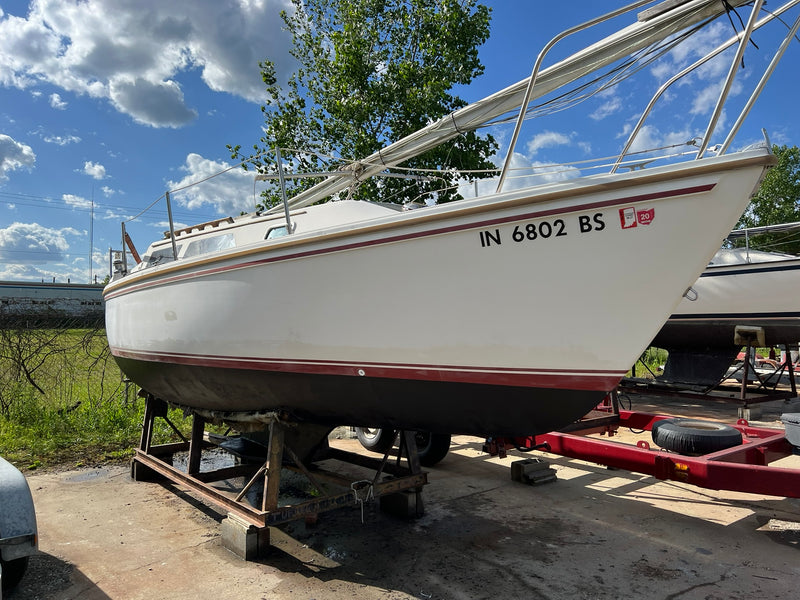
point(159, 257)
point(276, 232)
point(207, 245)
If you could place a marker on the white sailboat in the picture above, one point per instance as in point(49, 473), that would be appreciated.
point(528, 317)
point(741, 287)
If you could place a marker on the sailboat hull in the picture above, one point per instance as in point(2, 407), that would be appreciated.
point(510, 314)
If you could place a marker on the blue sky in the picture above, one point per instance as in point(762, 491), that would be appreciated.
point(108, 104)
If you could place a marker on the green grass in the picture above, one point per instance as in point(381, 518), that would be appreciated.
point(40, 433)
point(650, 364)
point(63, 401)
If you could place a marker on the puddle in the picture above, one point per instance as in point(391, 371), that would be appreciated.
point(210, 460)
point(334, 554)
point(294, 487)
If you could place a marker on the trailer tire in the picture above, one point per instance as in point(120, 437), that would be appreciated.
point(376, 440)
point(13, 570)
point(431, 447)
point(693, 437)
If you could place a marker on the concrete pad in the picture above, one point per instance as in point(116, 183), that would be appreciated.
point(594, 533)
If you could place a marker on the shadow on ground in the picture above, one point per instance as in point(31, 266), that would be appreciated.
point(50, 578)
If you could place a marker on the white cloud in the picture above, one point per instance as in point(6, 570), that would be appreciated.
point(693, 48)
point(107, 191)
point(149, 102)
point(547, 139)
point(611, 104)
point(61, 140)
point(95, 170)
point(34, 243)
point(76, 201)
point(554, 139)
point(164, 225)
point(14, 155)
point(522, 172)
point(705, 82)
point(56, 102)
point(647, 137)
point(229, 193)
point(650, 137)
point(131, 52)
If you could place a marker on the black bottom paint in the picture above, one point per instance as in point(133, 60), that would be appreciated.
point(444, 407)
point(711, 332)
point(702, 351)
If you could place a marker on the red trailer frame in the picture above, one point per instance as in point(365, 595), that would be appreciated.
point(743, 468)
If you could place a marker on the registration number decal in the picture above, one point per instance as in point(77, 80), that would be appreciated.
point(542, 230)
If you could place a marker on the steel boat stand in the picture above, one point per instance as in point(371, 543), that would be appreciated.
point(245, 530)
point(746, 396)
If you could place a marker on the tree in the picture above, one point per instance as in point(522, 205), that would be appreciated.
point(777, 201)
point(371, 72)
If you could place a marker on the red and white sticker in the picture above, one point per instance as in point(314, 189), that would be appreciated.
point(630, 217)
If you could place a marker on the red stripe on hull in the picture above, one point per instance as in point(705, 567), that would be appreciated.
point(588, 380)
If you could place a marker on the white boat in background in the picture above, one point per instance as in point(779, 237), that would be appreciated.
point(507, 314)
point(740, 287)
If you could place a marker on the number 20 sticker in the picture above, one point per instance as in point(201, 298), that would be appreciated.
point(630, 217)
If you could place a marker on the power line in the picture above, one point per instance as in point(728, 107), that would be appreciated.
point(46, 202)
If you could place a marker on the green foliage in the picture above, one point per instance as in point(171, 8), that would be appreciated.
point(371, 72)
point(777, 202)
point(42, 432)
point(68, 364)
point(63, 400)
point(650, 364)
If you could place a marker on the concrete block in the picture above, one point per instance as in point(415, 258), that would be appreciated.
point(406, 504)
point(532, 471)
point(245, 540)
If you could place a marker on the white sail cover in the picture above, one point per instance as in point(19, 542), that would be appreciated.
point(652, 26)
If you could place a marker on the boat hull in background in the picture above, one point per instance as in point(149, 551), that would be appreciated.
point(699, 336)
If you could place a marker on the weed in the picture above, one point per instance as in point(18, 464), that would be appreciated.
point(63, 400)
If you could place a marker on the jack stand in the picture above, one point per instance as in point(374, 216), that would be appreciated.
point(245, 531)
